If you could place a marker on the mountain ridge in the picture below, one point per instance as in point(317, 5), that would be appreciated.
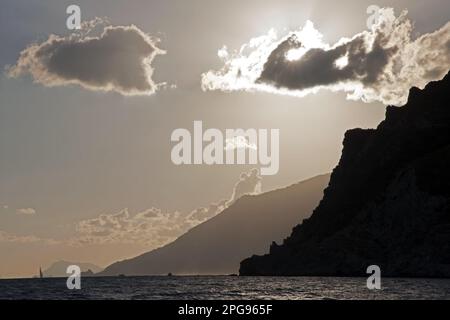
point(219, 244)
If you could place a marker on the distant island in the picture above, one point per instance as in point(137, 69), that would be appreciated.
point(58, 269)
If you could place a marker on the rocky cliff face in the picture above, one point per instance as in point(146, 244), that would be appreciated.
point(388, 202)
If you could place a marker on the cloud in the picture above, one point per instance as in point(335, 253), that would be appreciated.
point(154, 227)
point(13, 238)
point(381, 64)
point(119, 60)
point(151, 227)
point(239, 142)
point(26, 211)
point(249, 183)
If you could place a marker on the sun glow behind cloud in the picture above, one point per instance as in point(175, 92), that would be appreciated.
point(342, 62)
point(380, 64)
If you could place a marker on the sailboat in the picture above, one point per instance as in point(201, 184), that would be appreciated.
point(41, 275)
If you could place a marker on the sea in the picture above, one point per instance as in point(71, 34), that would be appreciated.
point(224, 288)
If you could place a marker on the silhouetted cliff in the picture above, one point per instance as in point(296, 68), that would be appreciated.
point(219, 244)
point(388, 202)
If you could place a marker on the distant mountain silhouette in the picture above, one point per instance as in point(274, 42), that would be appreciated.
point(388, 202)
point(219, 244)
point(59, 268)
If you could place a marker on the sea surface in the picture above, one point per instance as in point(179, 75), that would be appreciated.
point(224, 287)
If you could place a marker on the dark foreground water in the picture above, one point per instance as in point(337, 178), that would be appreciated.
point(219, 287)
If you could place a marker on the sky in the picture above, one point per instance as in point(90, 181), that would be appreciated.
point(86, 174)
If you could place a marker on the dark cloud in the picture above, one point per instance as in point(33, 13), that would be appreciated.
point(117, 60)
point(381, 64)
point(318, 67)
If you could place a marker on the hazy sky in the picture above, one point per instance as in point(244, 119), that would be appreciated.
point(69, 155)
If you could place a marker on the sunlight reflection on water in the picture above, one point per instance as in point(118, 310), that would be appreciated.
point(222, 287)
